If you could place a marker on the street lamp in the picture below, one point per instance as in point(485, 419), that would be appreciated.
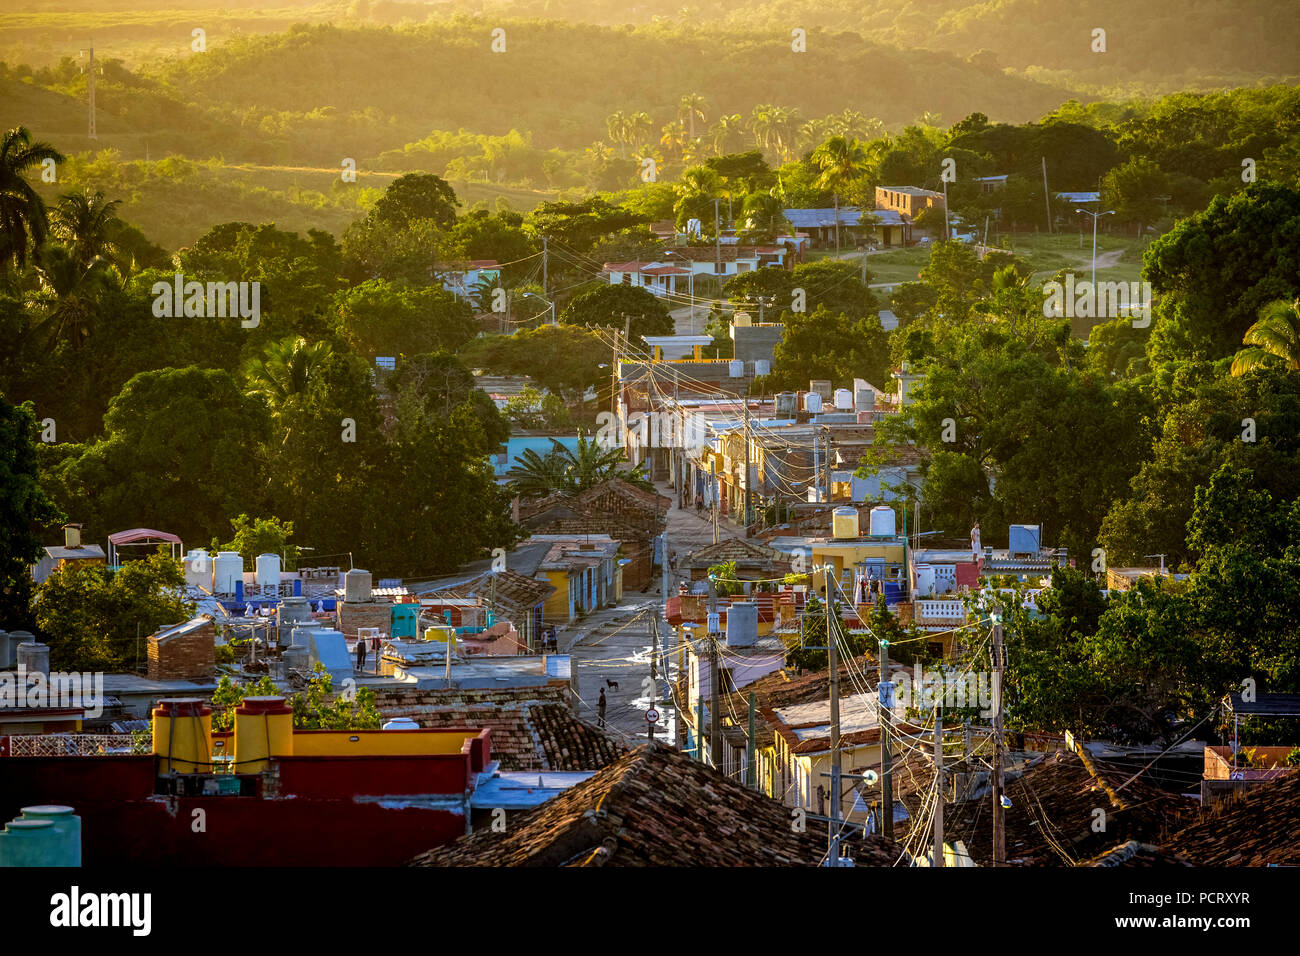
point(1095, 216)
point(544, 299)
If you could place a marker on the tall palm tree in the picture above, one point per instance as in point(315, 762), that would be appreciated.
point(23, 219)
point(690, 108)
point(785, 125)
point(285, 370)
point(536, 476)
point(85, 223)
point(727, 132)
point(673, 139)
point(840, 161)
point(70, 292)
point(619, 127)
point(640, 128)
point(761, 122)
point(1276, 335)
point(816, 131)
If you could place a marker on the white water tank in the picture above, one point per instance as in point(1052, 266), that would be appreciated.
point(844, 523)
point(812, 403)
point(787, 403)
point(736, 368)
point(268, 570)
point(401, 723)
point(33, 656)
point(742, 624)
point(356, 586)
point(227, 568)
point(762, 367)
point(198, 568)
point(882, 522)
point(843, 400)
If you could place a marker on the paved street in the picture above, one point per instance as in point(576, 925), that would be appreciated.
point(614, 644)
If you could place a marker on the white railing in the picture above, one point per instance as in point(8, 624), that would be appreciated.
point(945, 610)
point(72, 745)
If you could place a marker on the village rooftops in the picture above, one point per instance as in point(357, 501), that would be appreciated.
point(654, 807)
point(807, 727)
point(427, 669)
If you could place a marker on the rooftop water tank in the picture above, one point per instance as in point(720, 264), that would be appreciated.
point(822, 387)
point(34, 657)
point(844, 523)
point(843, 400)
point(762, 366)
point(402, 620)
point(742, 624)
point(356, 586)
point(268, 571)
point(8, 651)
point(882, 522)
point(787, 403)
point(924, 579)
point(227, 569)
point(198, 568)
point(401, 723)
point(812, 402)
point(736, 368)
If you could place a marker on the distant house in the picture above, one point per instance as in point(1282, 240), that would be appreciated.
point(909, 201)
point(821, 225)
point(463, 279)
point(71, 552)
point(989, 184)
point(657, 278)
point(1084, 197)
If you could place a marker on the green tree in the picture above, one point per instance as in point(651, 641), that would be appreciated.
point(386, 318)
point(1276, 335)
point(254, 536)
point(615, 306)
point(416, 196)
point(24, 510)
point(23, 217)
point(91, 615)
point(86, 223)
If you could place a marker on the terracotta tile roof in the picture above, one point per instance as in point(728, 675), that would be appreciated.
point(653, 807)
point(513, 593)
point(1134, 854)
point(568, 743)
point(744, 553)
point(1052, 813)
point(1257, 827)
point(529, 736)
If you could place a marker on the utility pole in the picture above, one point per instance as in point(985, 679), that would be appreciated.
point(748, 518)
point(613, 385)
point(751, 771)
point(713, 494)
point(837, 223)
point(947, 228)
point(546, 290)
point(886, 773)
point(1047, 197)
point(717, 241)
point(817, 462)
point(999, 814)
point(826, 430)
point(663, 569)
point(654, 671)
point(833, 656)
point(715, 710)
point(90, 77)
point(938, 782)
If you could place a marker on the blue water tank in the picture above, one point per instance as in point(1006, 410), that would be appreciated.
point(403, 620)
point(67, 827)
point(297, 587)
point(29, 843)
point(893, 592)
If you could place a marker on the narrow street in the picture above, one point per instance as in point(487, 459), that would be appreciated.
point(612, 647)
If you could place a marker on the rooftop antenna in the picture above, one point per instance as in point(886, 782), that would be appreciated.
point(90, 73)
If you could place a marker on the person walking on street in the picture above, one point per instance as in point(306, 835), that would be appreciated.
point(600, 710)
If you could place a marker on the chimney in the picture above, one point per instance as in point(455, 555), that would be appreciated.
point(72, 536)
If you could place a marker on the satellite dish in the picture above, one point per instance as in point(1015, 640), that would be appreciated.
point(870, 778)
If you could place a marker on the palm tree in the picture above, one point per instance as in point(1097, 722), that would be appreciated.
point(640, 128)
point(285, 370)
point(70, 291)
point(840, 160)
point(85, 223)
point(728, 130)
point(673, 139)
point(785, 124)
point(929, 119)
point(23, 219)
point(764, 215)
point(619, 127)
point(690, 108)
point(536, 476)
point(761, 122)
point(816, 131)
point(1276, 335)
